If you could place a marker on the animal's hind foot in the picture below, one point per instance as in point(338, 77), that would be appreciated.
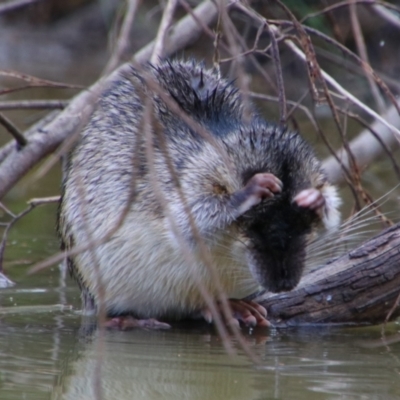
point(247, 312)
point(124, 323)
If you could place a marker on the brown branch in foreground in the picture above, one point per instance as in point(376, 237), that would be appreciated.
point(361, 287)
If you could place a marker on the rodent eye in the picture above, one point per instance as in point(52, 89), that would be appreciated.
point(219, 189)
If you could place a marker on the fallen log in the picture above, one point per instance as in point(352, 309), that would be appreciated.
point(360, 287)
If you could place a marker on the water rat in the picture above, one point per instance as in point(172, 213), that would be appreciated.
point(255, 195)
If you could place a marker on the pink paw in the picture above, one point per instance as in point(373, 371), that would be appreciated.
point(310, 198)
point(263, 185)
point(247, 312)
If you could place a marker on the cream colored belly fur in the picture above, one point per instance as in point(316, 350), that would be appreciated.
point(143, 270)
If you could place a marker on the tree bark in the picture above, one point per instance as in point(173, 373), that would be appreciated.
point(360, 287)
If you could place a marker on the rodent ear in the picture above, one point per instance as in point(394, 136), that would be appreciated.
point(219, 189)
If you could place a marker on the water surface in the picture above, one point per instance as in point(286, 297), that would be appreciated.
point(46, 352)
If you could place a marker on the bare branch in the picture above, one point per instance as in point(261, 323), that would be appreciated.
point(37, 82)
point(33, 104)
point(365, 147)
point(15, 218)
point(345, 93)
point(362, 51)
point(162, 31)
point(374, 3)
point(122, 42)
point(14, 5)
point(279, 77)
point(184, 32)
point(388, 16)
point(18, 136)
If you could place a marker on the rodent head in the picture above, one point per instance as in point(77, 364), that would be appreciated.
point(276, 233)
point(276, 230)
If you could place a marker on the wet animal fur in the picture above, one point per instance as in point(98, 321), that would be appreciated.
point(142, 268)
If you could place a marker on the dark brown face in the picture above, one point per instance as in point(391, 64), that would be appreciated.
point(278, 265)
point(278, 236)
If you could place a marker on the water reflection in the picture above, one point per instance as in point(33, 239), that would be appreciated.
point(181, 364)
point(45, 355)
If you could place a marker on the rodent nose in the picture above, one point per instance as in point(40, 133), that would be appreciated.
point(283, 285)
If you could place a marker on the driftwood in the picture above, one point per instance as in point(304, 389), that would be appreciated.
point(360, 287)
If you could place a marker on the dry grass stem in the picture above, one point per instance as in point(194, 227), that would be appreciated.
point(13, 130)
point(33, 104)
point(15, 4)
point(362, 51)
point(124, 36)
point(166, 20)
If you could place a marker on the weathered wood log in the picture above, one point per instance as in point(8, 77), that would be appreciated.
point(360, 287)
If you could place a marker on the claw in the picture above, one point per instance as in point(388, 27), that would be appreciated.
point(250, 313)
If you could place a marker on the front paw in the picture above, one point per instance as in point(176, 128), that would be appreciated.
point(263, 185)
point(260, 186)
point(312, 199)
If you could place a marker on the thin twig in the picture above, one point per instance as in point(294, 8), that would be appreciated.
point(33, 104)
point(158, 51)
point(242, 77)
point(38, 82)
point(364, 147)
point(13, 130)
point(295, 104)
point(279, 77)
point(388, 16)
point(377, 136)
point(345, 3)
point(14, 5)
point(362, 51)
point(183, 32)
point(123, 39)
point(390, 313)
point(16, 217)
point(353, 56)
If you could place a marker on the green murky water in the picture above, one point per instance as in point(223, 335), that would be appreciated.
point(46, 352)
